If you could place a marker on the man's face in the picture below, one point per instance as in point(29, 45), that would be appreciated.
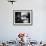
point(24, 18)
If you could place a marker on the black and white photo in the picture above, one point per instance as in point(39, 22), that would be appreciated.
point(22, 16)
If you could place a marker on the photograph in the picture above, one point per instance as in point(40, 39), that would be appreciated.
point(22, 16)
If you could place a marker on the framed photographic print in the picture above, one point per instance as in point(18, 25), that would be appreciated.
point(22, 17)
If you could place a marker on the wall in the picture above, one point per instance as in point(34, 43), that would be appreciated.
point(37, 31)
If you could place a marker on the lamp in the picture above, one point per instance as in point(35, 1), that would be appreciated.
point(12, 1)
